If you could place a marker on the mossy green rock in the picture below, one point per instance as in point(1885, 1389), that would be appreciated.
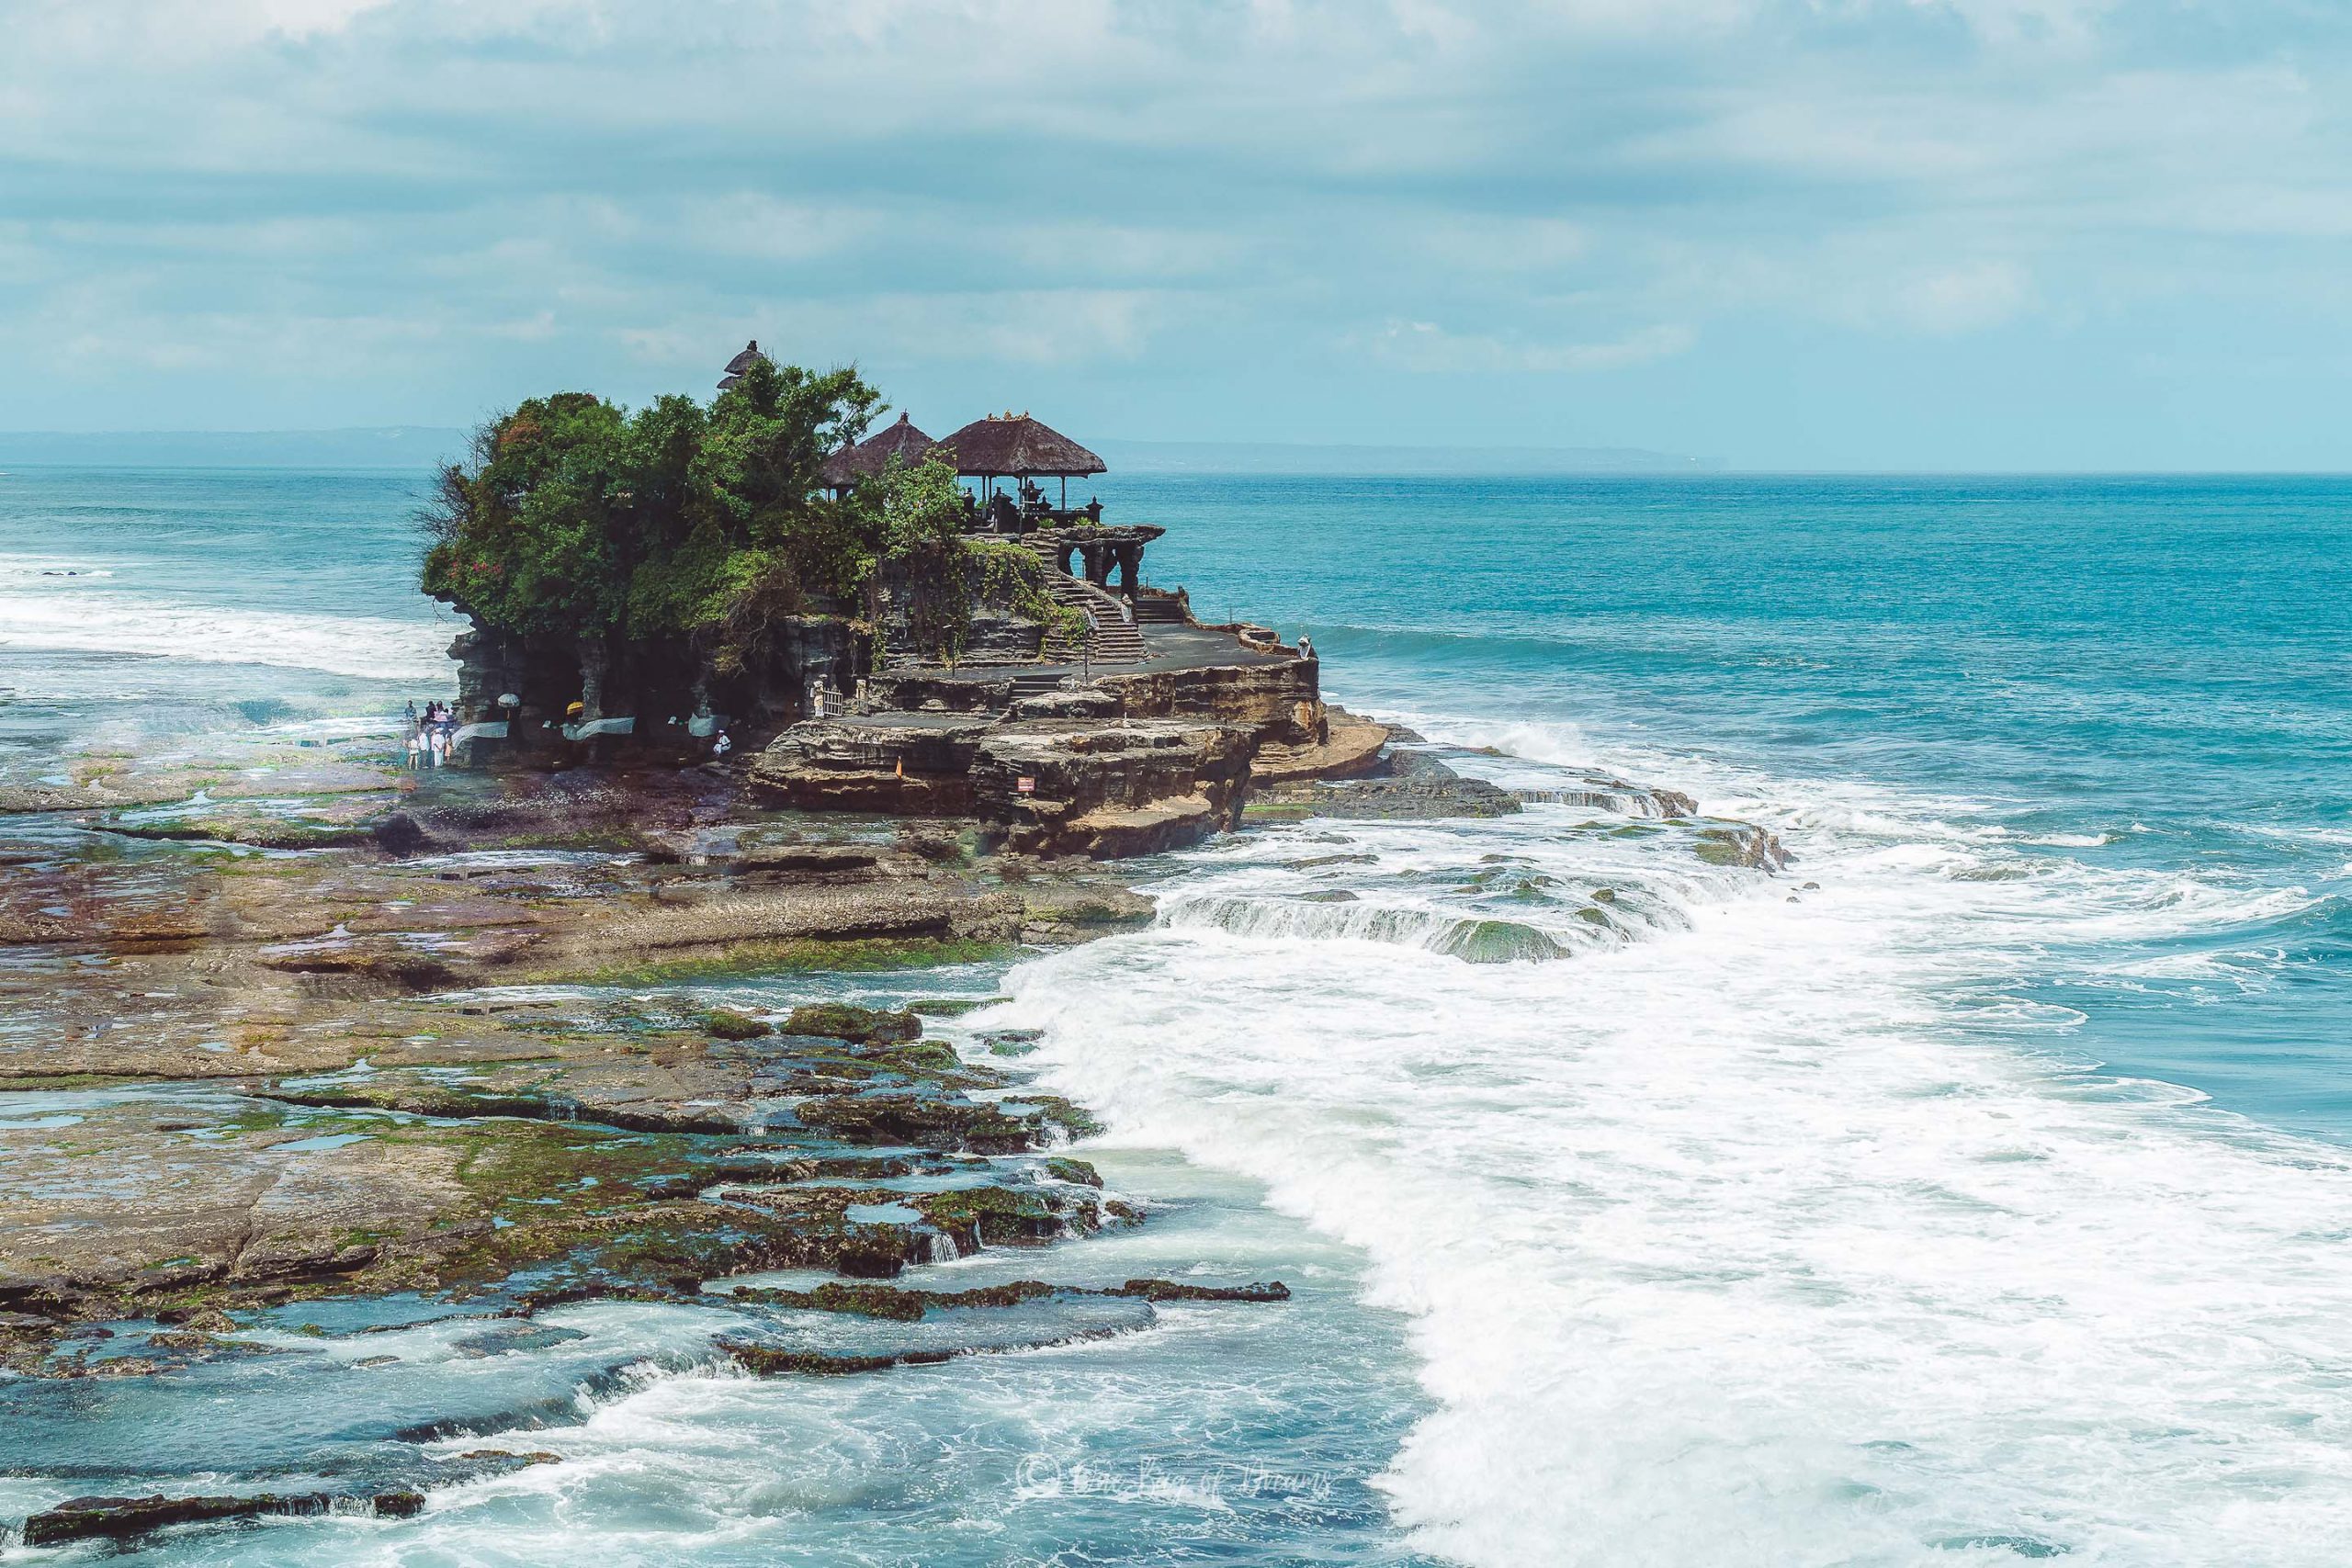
point(725, 1024)
point(865, 1026)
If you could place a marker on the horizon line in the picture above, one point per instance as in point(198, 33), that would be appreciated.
point(1660, 463)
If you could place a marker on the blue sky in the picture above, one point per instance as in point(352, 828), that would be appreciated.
point(1843, 233)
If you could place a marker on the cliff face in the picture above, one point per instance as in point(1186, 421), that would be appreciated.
point(1276, 701)
point(660, 681)
point(1129, 763)
point(1134, 786)
point(902, 764)
point(654, 683)
point(1098, 787)
point(994, 636)
point(1135, 760)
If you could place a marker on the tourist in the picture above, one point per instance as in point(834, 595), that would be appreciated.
point(720, 746)
point(1306, 646)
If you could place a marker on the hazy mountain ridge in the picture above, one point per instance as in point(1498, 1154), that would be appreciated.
point(421, 446)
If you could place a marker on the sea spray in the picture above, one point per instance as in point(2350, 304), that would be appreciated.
point(1778, 1230)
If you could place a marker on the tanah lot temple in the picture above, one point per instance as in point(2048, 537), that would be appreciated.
point(1005, 457)
point(1143, 731)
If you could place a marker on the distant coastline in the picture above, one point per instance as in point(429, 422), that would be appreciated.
point(422, 447)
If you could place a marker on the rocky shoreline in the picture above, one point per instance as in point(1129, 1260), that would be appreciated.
point(292, 1030)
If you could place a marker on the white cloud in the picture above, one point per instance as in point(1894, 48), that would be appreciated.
point(2038, 21)
point(1962, 298)
point(1506, 244)
point(1185, 194)
point(1424, 346)
point(751, 223)
point(302, 18)
point(1022, 327)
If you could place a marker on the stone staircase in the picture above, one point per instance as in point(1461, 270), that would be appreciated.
point(1159, 610)
point(1113, 640)
point(1035, 685)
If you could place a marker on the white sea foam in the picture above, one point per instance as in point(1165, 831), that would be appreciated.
point(105, 621)
point(1780, 1233)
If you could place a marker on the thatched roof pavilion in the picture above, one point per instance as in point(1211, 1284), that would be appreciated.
point(740, 363)
point(1014, 445)
point(870, 457)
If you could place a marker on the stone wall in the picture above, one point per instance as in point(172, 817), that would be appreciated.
point(930, 691)
point(994, 634)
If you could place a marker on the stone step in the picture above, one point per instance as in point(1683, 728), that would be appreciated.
point(1114, 639)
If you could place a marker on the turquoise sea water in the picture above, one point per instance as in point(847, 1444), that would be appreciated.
point(1976, 1191)
point(2163, 666)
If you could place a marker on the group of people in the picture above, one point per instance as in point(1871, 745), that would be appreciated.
point(1002, 513)
point(430, 734)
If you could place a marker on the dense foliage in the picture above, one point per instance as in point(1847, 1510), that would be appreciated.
point(573, 518)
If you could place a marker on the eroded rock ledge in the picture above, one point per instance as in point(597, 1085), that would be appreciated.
point(1125, 763)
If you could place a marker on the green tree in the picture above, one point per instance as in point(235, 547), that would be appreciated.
point(573, 519)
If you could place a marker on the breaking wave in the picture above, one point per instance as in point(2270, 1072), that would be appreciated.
point(1479, 940)
point(1781, 1222)
point(103, 620)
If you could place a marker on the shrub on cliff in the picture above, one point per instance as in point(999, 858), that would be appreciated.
point(943, 575)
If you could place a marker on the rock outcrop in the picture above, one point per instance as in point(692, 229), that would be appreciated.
point(1124, 764)
point(1274, 699)
point(1072, 786)
point(907, 765)
point(126, 1519)
point(1098, 787)
point(1404, 785)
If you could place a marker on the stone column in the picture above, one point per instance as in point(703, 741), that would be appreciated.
point(596, 657)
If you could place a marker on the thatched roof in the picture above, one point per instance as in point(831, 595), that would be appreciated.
point(1014, 443)
point(740, 363)
point(871, 455)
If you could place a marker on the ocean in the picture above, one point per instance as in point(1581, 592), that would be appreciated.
point(1977, 1189)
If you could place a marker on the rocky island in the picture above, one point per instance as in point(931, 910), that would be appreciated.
point(640, 587)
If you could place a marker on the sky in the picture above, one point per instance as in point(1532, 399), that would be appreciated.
point(1861, 234)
